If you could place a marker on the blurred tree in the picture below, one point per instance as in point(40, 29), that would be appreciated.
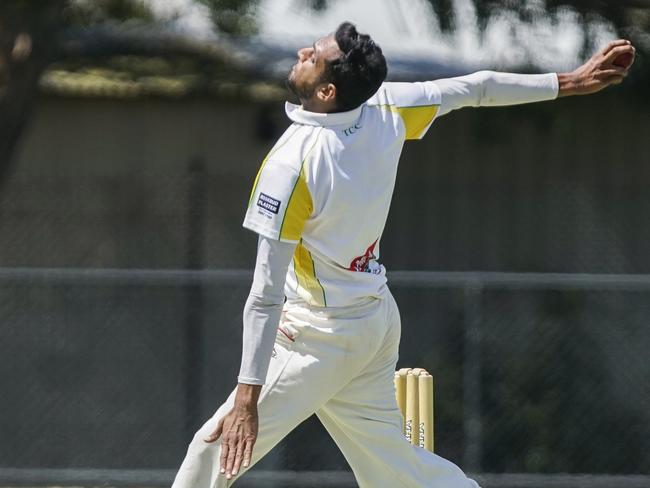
point(26, 48)
point(88, 12)
point(444, 10)
point(631, 18)
point(235, 17)
point(30, 40)
point(616, 11)
point(34, 35)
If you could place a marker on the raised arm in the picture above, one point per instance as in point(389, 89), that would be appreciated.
point(490, 89)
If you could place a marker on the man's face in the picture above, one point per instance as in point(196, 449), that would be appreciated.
point(308, 72)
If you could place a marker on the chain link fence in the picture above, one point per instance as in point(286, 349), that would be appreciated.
point(112, 372)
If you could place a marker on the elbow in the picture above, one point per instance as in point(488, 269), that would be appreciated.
point(485, 79)
point(264, 301)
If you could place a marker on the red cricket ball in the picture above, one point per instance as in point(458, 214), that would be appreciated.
point(624, 60)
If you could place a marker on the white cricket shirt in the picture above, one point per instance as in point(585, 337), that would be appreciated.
point(327, 186)
point(327, 183)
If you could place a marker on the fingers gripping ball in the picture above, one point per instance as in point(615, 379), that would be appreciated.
point(624, 60)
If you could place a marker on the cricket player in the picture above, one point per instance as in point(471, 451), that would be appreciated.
point(319, 204)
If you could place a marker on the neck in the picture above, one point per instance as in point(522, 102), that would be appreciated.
point(317, 106)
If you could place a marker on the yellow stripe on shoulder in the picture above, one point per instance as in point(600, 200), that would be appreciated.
point(415, 119)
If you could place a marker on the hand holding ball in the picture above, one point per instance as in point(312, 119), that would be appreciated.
point(624, 60)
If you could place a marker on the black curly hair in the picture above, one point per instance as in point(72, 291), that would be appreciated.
point(359, 71)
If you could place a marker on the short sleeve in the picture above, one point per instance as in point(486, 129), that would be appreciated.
point(280, 202)
point(417, 104)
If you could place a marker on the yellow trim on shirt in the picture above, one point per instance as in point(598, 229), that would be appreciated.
point(299, 208)
point(306, 276)
point(415, 119)
point(299, 205)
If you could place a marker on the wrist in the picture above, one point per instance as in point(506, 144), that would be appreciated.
point(566, 84)
point(247, 395)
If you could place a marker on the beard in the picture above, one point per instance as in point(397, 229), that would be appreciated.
point(302, 92)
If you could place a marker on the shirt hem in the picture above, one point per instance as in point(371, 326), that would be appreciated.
point(249, 381)
point(268, 233)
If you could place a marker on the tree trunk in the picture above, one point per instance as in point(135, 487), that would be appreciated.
point(28, 44)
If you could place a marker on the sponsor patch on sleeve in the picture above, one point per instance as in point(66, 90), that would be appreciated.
point(268, 203)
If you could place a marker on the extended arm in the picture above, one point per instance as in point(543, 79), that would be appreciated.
point(261, 318)
point(489, 88)
point(492, 89)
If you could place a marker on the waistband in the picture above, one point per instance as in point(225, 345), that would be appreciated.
point(355, 309)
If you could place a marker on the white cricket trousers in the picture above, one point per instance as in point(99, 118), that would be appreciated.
point(338, 363)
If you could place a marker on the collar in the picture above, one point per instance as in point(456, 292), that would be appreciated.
point(297, 114)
